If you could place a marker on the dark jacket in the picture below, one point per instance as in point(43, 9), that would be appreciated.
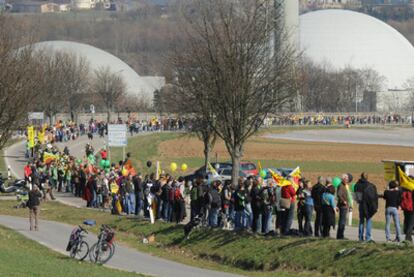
point(34, 199)
point(317, 191)
point(368, 204)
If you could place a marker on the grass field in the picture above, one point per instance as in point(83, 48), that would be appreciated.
point(20, 256)
point(243, 253)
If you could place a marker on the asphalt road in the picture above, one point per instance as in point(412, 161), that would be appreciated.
point(394, 136)
point(55, 236)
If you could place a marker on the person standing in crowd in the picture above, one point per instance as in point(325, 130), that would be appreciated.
point(33, 204)
point(139, 193)
point(343, 206)
point(308, 208)
point(407, 206)
point(268, 196)
point(328, 211)
point(239, 207)
point(300, 212)
point(257, 205)
point(392, 198)
point(367, 199)
point(226, 203)
point(317, 190)
point(215, 205)
point(288, 192)
point(196, 194)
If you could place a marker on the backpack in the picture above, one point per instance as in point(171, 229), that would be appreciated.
point(407, 201)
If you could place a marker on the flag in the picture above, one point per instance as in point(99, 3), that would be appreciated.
point(279, 179)
point(212, 170)
point(296, 175)
point(405, 181)
point(48, 157)
point(31, 136)
point(259, 165)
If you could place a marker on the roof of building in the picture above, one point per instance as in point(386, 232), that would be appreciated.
point(98, 58)
point(346, 38)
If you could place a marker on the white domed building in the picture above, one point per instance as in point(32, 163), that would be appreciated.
point(136, 85)
point(345, 38)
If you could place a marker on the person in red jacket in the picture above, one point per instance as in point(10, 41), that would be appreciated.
point(289, 192)
point(27, 172)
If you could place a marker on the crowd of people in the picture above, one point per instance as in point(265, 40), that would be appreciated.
point(342, 119)
point(255, 205)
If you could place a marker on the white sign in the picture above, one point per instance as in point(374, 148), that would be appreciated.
point(117, 135)
point(39, 116)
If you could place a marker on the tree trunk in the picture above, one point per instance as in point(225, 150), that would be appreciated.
point(206, 154)
point(236, 155)
point(108, 117)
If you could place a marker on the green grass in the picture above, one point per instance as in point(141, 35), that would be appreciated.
point(243, 253)
point(23, 257)
point(143, 148)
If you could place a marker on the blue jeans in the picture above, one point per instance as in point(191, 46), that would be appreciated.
point(213, 217)
point(139, 204)
point(392, 212)
point(238, 221)
point(248, 216)
point(307, 229)
point(131, 203)
point(362, 222)
point(267, 219)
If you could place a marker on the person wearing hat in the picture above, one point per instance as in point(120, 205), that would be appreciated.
point(33, 204)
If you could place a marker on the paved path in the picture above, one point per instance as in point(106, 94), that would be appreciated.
point(55, 236)
point(394, 136)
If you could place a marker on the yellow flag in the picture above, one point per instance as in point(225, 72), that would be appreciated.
point(212, 170)
point(279, 179)
point(259, 165)
point(405, 181)
point(31, 136)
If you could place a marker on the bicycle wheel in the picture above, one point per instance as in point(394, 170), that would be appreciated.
point(82, 251)
point(101, 254)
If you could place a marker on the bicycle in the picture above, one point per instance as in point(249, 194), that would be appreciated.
point(78, 248)
point(104, 248)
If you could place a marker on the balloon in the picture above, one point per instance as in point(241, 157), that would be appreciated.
point(79, 161)
point(173, 167)
point(263, 173)
point(107, 163)
point(336, 182)
point(125, 172)
point(149, 163)
point(184, 167)
point(102, 163)
point(106, 170)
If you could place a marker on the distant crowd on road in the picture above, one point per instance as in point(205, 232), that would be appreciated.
point(329, 120)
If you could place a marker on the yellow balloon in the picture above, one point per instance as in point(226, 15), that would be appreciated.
point(173, 167)
point(184, 167)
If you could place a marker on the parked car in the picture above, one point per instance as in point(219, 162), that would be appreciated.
point(249, 168)
point(202, 173)
point(225, 174)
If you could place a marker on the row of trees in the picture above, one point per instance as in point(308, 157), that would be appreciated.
point(326, 89)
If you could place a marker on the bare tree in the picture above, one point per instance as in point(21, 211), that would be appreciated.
point(110, 87)
point(230, 69)
point(19, 79)
point(75, 76)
